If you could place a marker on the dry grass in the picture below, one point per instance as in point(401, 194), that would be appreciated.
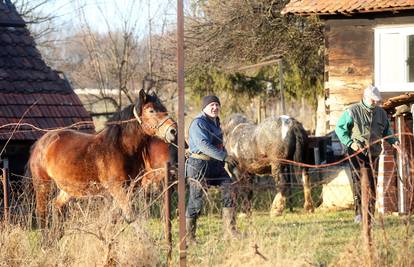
point(94, 234)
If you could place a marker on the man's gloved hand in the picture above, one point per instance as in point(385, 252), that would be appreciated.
point(232, 161)
point(355, 146)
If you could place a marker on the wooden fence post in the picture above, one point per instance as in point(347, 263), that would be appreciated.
point(366, 216)
point(401, 183)
point(167, 207)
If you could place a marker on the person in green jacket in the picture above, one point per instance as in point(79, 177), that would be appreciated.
point(360, 129)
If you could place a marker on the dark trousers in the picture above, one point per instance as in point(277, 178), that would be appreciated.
point(201, 174)
point(371, 164)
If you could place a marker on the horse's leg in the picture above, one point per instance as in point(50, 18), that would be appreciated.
point(61, 200)
point(308, 205)
point(118, 192)
point(247, 194)
point(279, 202)
point(42, 186)
point(147, 201)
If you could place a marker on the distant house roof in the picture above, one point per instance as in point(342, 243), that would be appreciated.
point(30, 90)
point(332, 7)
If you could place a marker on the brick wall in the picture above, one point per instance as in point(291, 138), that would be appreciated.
point(387, 197)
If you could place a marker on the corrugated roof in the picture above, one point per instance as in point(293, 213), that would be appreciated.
point(332, 7)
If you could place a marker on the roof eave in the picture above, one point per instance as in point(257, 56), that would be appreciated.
point(347, 13)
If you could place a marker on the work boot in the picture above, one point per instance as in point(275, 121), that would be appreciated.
point(191, 227)
point(229, 224)
point(358, 219)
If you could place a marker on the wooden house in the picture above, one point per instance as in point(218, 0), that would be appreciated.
point(366, 42)
point(30, 93)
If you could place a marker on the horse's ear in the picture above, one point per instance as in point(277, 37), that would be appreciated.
point(142, 98)
point(147, 83)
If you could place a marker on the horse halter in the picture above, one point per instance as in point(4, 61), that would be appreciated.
point(156, 127)
point(134, 110)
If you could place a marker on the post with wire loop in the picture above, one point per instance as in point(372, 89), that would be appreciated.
point(402, 194)
point(167, 208)
point(6, 190)
point(366, 215)
point(181, 140)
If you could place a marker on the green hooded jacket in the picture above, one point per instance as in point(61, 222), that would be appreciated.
point(364, 125)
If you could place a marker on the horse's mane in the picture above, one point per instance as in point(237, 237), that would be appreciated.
point(153, 98)
point(233, 120)
point(120, 123)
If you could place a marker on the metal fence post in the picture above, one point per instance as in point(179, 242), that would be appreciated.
point(181, 129)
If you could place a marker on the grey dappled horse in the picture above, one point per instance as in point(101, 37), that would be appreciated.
point(259, 148)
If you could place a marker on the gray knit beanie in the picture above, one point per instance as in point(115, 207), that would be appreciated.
point(209, 99)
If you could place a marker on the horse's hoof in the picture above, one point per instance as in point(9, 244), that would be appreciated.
point(275, 213)
point(309, 208)
point(129, 218)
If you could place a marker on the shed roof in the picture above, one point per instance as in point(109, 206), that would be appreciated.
point(9, 17)
point(30, 91)
point(22, 68)
point(42, 110)
point(333, 7)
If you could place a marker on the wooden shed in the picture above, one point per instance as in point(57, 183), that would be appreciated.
point(366, 42)
point(30, 93)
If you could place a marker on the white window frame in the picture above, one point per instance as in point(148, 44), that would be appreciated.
point(403, 31)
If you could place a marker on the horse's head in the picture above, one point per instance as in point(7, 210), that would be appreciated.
point(232, 121)
point(153, 117)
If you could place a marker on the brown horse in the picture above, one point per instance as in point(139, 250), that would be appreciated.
point(155, 156)
point(87, 164)
point(259, 148)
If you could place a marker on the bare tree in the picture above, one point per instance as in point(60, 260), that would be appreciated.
point(110, 60)
point(230, 34)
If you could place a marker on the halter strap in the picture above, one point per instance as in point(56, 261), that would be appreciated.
point(163, 121)
point(136, 115)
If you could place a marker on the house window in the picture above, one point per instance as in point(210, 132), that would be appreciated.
point(394, 58)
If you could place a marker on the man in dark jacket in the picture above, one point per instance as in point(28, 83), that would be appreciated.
point(362, 125)
point(205, 167)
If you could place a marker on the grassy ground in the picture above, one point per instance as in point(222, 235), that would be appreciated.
point(89, 236)
point(298, 239)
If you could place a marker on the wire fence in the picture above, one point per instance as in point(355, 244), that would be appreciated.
point(254, 193)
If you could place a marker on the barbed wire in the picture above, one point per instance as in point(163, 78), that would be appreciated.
point(119, 122)
point(321, 167)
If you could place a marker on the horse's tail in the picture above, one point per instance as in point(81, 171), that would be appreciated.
point(301, 145)
point(297, 148)
point(301, 155)
point(27, 170)
point(32, 186)
point(28, 194)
